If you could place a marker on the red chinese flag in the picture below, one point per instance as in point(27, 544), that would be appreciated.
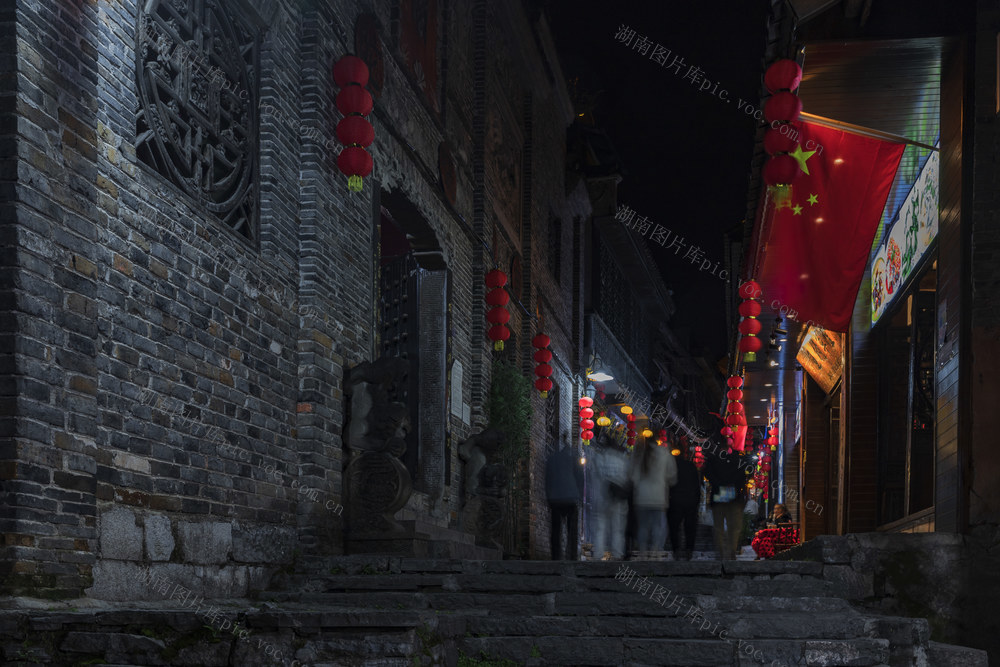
point(817, 238)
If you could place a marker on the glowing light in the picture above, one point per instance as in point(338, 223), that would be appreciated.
point(646, 432)
point(675, 452)
point(803, 276)
point(583, 460)
point(839, 160)
point(626, 410)
point(600, 377)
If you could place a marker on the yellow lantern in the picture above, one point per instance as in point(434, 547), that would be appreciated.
point(675, 452)
point(647, 433)
point(626, 410)
point(603, 420)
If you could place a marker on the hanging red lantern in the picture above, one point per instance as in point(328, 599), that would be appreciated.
point(542, 356)
point(750, 345)
point(777, 142)
point(587, 435)
point(734, 382)
point(772, 431)
point(782, 74)
point(498, 334)
point(749, 290)
point(732, 420)
point(734, 395)
point(355, 131)
point(541, 340)
point(497, 297)
point(587, 424)
point(354, 100)
point(498, 316)
point(749, 309)
point(631, 442)
point(496, 278)
point(585, 402)
point(729, 442)
point(543, 370)
point(736, 407)
point(726, 431)
point(772, 441)
point(750, 327)
point(630, 418)
point(782, 107)
point(544, 385)
point(355, 163)
point(780, 170)
point(586, 413)
point(350, 69)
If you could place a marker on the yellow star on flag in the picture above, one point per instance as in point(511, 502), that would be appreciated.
point(797, 210)
point(813, 199)
point(801, 156)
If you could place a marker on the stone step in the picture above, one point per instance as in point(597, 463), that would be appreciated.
point(603, 651)
point(947, 655)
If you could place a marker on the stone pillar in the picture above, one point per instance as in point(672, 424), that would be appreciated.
point(433, 378)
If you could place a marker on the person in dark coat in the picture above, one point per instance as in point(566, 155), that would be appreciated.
point(726, 471)
point(563, 490)
point(685, 496)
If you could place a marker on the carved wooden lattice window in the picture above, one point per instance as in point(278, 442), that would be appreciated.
point(197, 73)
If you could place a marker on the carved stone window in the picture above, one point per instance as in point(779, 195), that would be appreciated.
point(197, 77)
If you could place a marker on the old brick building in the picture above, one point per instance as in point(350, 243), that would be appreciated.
point(189, 279)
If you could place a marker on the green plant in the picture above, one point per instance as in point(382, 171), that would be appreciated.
point(535, 652)
point(510, 408)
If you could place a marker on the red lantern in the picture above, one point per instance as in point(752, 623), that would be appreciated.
point(585, 402)
point(776, 141)
point(736, 407)
point(735, 382)
point(780, 170)
point(783, 106)
point(587, 435)
point(497, 297)
point(496, 278)
point(586, 413)
point(355, 131)
point(749, 308)
point(355, 163)
point(630, 418)
point(587, 424)
point(631, 442)
point(772, 431)
point(783, 74)
point(354, 100)
point(729, 442)
point(750, 290)
point(750, 327)
point(498, 316)
point(542, 356)
point(732, 420)
point(734, 395)
point(750, 345)
point(541, 340)
point(772, 441)
point(543, 370)
point(498, 334)
point(544, 385)
point(726, 431)
point(350, 69)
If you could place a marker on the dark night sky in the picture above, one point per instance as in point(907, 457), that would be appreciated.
point(686, 152)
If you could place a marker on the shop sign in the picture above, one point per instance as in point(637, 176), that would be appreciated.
point(912, 231)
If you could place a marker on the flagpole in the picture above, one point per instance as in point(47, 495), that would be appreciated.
point(860, 129)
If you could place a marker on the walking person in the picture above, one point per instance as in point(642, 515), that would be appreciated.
point(685, 497)
point(653, 472)
point(610, 498)
point(727, 473)
point(563, 491)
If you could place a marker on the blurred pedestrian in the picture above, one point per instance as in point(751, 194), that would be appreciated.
point(609, 498)
point(653, 472)
point(564, 490)
point(726, 472)
point(685, 497)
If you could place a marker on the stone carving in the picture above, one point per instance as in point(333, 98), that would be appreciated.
point(485, 485)
point(377, 484)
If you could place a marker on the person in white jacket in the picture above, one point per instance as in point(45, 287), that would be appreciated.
point(609, 499)
point(653, 472)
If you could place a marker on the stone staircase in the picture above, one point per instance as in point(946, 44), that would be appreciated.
point(388, 611)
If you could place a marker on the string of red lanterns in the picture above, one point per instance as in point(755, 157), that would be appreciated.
point(498, 316)
point(749, 327)
point(543, 370)
point(781, 110)
point(586, 419)
point(350, 73)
